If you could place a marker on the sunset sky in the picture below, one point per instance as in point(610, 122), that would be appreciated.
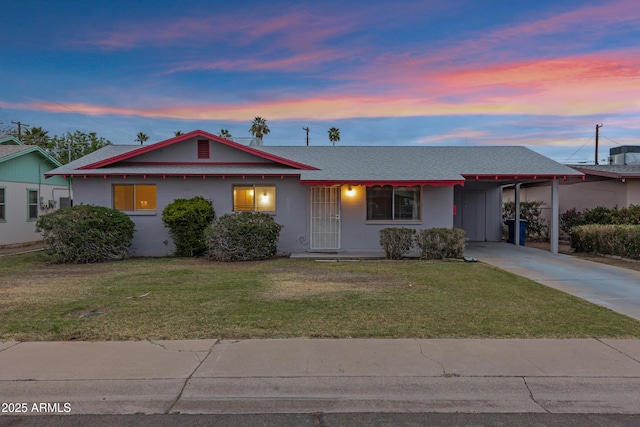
point(458, 72)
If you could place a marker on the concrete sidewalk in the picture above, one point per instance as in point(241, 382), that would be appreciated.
point(307, 376)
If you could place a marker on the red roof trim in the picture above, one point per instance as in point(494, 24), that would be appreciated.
point(518, 177)
point(193, 134)
point(162, 174)
point(200, 164)
point(435, 183)
point(605, 174)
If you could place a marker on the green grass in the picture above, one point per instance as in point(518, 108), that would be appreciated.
point(181, 298)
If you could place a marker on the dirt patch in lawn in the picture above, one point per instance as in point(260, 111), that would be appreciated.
point(300, 283)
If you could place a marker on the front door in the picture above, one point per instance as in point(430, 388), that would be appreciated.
point(474, 215)
point(325, 217)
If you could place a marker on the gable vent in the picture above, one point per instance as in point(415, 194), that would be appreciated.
point(203, 149)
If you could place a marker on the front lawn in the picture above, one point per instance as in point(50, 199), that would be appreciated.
point(184, 298)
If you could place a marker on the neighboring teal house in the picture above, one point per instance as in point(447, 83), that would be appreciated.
point(24, 195)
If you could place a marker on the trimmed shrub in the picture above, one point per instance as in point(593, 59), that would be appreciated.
point(570, 219)
point(396, 242)
point(440, 243)
point(600, 215)
point(620, 240)
point(242, 236)
point(86, 233)
point(186, 220)
point(530, 212)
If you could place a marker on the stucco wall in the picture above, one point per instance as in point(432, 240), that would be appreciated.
point(187, 151)
point(17, 229)
point(292, 204)
point(360, 234)
point(633, 192)
point(151, 237)
point(582, 195)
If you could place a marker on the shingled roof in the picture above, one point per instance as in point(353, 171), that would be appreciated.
point(344, 164)
point(610, 171)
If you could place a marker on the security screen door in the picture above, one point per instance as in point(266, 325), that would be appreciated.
point(325, 217)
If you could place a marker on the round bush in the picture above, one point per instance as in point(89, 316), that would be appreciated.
point(85, 233)
point(186, 220)
point(242, 236)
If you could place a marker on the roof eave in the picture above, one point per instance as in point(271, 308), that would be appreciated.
point(193, 134)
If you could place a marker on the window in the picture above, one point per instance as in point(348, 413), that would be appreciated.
point(32, 205)
point(3, 214)
point(393, 203)
point(134, 197)
point(203, 149)
point(254, 198)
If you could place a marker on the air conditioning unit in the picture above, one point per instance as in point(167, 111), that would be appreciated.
point(625, 155)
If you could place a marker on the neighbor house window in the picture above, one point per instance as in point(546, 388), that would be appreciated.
point(3, 214)
point(32, 205)
point(134, 197)
point(393, 203)
point(260, 198)
point(203, 149)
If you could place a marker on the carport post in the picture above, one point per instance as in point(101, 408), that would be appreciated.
point(555, 216)
point(516, 231)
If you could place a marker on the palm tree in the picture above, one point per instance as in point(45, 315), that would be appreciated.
point(259, 127)
point(178, 133)
point(225, 133)
point(141, 137)
point(334, 135)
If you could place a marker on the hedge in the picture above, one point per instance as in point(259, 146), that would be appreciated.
point(620, 240)
point(86, 233)
point(242, 236)
point(396, 242)
point(186, 220)
point(440, 243)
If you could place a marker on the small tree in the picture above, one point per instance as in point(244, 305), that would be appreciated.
point(225, 133)
point(334, 135)
point(178, 133)
point(186, 220)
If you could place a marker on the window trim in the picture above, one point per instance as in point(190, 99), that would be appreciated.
point(134, 212)
point(29, 204)
point(254, 186)
point(392, 220)
point(3, 203)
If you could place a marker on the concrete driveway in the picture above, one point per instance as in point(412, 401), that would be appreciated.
point(615, 288)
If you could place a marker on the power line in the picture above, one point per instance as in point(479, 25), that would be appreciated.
point(615, 142)
point(32, 89)
point(576, 152)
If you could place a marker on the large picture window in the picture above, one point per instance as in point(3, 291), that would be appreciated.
point(260, 198)
point(32, 205)
point(393, 203)
point(3, 211)
point(134, 197)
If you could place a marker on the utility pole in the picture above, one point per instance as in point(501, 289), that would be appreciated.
point(20, 124)
point(307, 129)
point(597, 128)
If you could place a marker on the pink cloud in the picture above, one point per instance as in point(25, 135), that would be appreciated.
point(293, 62)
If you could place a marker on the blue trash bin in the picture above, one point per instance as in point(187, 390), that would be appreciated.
point(511, 224)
